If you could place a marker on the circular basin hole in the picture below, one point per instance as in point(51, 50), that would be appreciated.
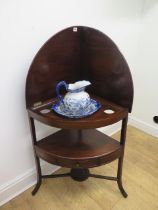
point(109, 111)
point(45, 111)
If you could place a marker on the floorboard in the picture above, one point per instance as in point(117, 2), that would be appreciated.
point(140, 179)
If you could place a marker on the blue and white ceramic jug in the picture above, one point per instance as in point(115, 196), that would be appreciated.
point(76, 99)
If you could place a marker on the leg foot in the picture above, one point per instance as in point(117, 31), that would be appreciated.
point(36, 188)
point(122, 189)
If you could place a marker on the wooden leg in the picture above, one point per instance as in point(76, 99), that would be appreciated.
point(37, 161)
point(119, 177)
point(39, 176)
point(120, 161)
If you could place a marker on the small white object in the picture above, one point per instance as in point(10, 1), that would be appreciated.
point(45, 111)
point(74, 29)
point(109, 111)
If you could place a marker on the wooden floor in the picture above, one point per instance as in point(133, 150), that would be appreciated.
point(140, 178)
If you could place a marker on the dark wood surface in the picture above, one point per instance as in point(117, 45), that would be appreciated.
point(76, 148)
point(98, 119)
point(71, 56)
point(84, 54)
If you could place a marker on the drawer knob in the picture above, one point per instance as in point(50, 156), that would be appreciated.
point(77, 164)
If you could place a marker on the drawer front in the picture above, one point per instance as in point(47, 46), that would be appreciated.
point(79, 163)
point(109, 158)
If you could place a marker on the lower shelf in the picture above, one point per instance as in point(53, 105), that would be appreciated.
point(78, 148)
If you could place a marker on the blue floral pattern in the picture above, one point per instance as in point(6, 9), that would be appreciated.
point(77, 105)
point(60, 109)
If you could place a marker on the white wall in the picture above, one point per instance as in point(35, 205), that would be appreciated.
point(25, 26)
point(146, 70)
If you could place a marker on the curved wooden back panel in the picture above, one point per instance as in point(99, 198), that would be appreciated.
point(73, 55)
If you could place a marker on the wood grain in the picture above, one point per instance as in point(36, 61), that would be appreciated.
point(98, 119)
point(139, 175)
point(78, 148)
point(86, 54)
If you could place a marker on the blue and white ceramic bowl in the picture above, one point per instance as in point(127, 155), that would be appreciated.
point(60, 109)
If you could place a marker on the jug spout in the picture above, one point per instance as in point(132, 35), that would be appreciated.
point(78, 86)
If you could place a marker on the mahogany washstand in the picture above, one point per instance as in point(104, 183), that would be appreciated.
point(79, 53)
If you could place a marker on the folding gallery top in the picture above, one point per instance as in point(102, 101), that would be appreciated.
point(80, 53)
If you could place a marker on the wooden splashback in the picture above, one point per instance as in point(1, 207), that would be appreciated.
point(78, 53)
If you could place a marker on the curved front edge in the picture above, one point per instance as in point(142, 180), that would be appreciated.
point(78, 163)
point(84, 123)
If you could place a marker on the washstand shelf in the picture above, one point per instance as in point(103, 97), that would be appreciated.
point(78, 145)
point(44, 114)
